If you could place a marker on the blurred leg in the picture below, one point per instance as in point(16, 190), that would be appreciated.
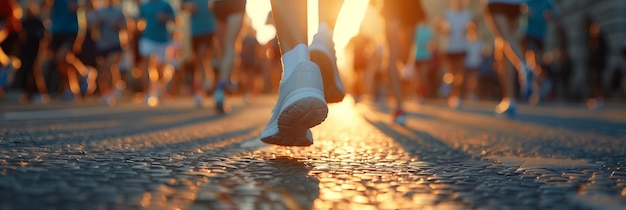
point(392, 27)
point(202, 64)
point(328, 12)
point(103, 78)
point(577, 50)
point(202, 58)
point(397, 34)
point(113, 61)
point(231, 32)
point(153, 74)
point(498, 24)
point(458, 71)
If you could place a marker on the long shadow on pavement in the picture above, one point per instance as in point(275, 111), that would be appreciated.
point(598, 126)
point(125, 124)
point(460, 177)
point(122, 177)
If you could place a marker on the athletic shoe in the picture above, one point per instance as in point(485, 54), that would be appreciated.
point(198, 100)
point(595, 103)
point(109, 99)
point(526, 82)
point(300, 106)
point(5, 72)
point(40, 98)
point(455, 102)
point(87, 82)
point(420, 100)
point(152, 100)
point(399, 117)
point(119, 89)
point(506, 109)
point(357, 99)
point(322, 52)
point(218, 96)
point(67, 96)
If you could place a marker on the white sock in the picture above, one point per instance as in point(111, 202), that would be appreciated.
point(300, 53)
point(323, 28)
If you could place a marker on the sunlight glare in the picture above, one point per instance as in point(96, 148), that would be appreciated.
point(347, 25)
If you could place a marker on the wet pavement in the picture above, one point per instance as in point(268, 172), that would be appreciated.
point(179, 157)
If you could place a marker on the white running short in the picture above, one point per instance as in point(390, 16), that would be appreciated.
point(148, 47)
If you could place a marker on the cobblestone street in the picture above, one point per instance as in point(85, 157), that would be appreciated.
point(179, 157)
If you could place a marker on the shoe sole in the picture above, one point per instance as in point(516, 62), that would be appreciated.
point(332, 93)
point(296, 119)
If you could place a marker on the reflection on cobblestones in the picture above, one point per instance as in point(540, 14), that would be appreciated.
point(359, 161)
point(346, 168)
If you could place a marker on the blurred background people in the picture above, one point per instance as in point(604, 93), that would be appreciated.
point(203, 29)
point(251, 60)
point(573, 18)
point(154, 16)
point(502, 17)
point(453, 27)
point(27, 78)
point(473, 61)
point(10, 27)
point(539, 14)
point(401, 18)
point(65, 45)
point(110, 25)
point(362, 47)
point(229, 15)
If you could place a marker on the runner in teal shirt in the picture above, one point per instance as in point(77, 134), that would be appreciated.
point(63, 17)
point(202, 32)
point(156, 13)
point(202, 19)
point(423, 36)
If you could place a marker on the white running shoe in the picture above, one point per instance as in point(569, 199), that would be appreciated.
point(198, 99)
point(152, 100)
point(300, 106)
point(399, 117)
point(506, 109)
point(322, 52)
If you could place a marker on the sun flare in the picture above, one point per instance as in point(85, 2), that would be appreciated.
point(346, 27)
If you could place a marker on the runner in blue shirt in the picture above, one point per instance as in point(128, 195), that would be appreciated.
point(66, 43)
point(155, 14)
point(202, 33)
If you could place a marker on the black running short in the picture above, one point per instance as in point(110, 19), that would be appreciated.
point(224, 8)
point(510, 10)
point(108, 51)
point(65, 40)
point(409, 12)
point(205, 40)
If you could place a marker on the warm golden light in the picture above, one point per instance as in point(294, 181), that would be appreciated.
point(448, 78)
point(18, 13)
point(141, 25)
point(347, 25)
point(152, 101)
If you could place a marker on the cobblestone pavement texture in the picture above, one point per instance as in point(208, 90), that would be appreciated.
point(176, 156)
